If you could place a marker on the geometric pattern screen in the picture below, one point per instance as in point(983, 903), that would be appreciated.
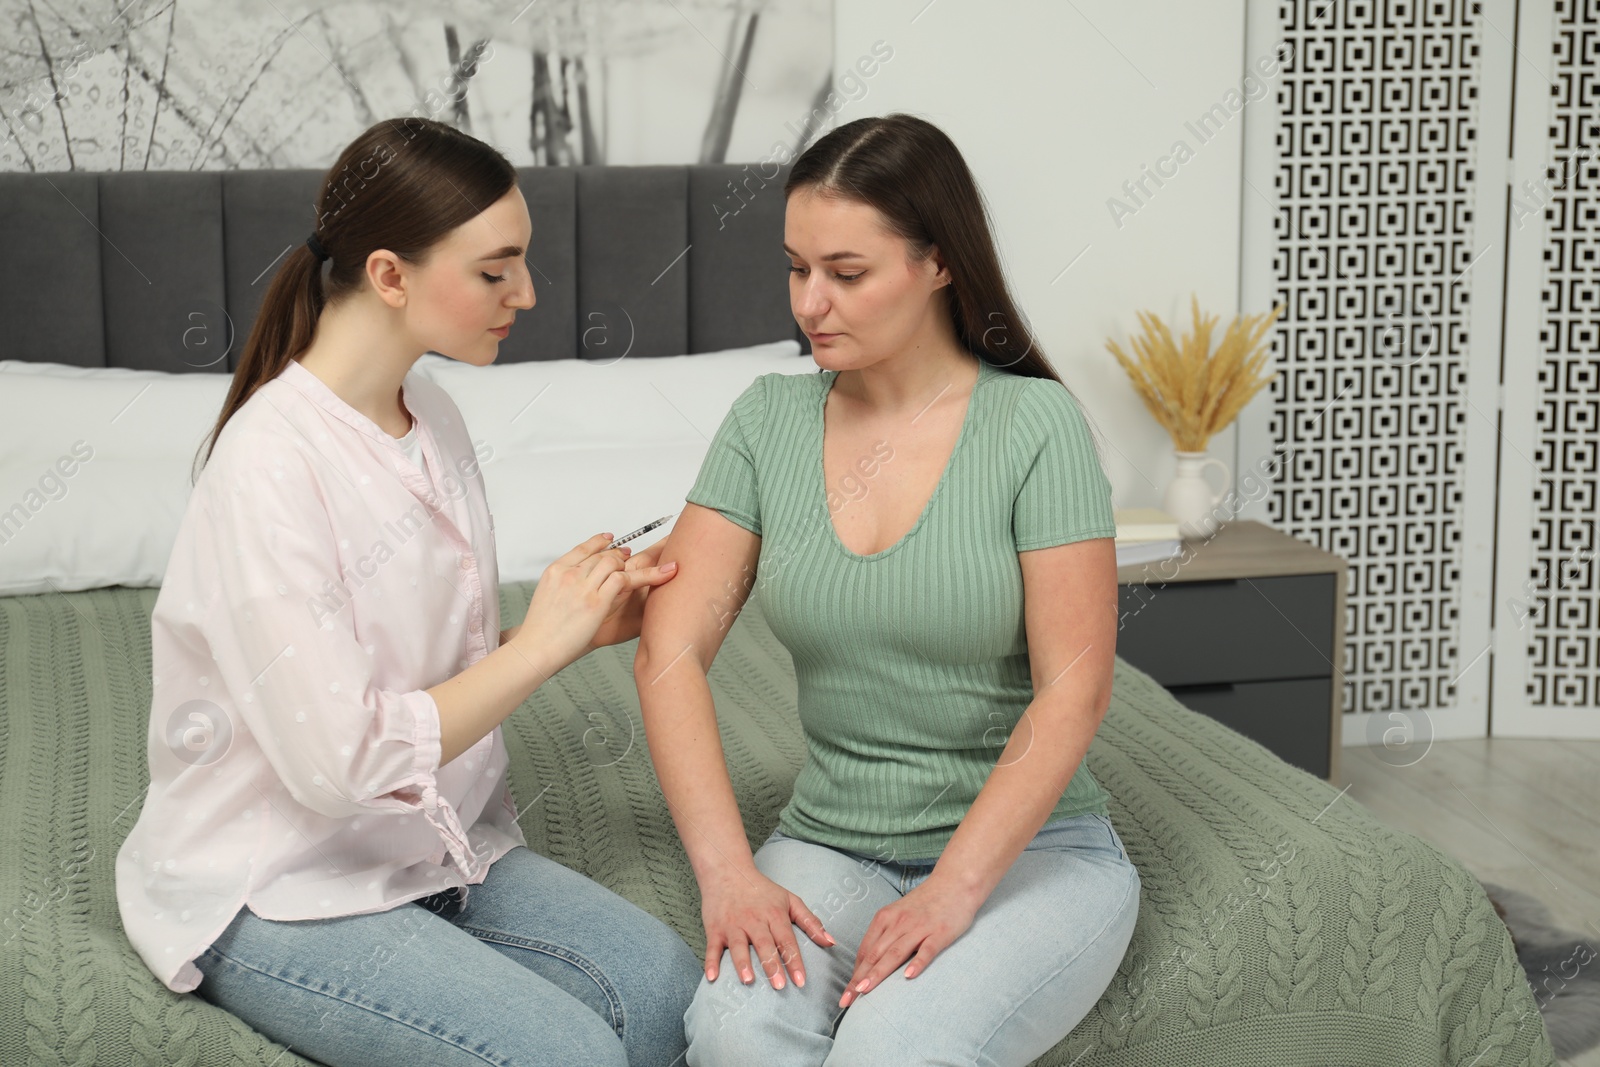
point(1563, 624)
point(1374, 165)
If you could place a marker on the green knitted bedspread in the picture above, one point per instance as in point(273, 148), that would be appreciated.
point(1273, 928)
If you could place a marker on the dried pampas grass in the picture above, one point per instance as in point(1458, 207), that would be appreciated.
point(1191, 392)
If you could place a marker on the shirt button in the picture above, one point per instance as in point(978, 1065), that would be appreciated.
point(466, 563)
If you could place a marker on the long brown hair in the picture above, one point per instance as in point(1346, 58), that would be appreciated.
point(402, 185)
point(914, 175)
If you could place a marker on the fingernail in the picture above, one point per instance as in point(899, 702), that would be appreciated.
point(670, 566)
point(861, 986)
point(800, 979)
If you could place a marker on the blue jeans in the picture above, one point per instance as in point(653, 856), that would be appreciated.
point(540, 966)
point(1040, 951)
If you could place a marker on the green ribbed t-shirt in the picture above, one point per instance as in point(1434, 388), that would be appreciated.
point(911, 663)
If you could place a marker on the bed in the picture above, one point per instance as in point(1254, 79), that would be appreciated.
point(1280, 921)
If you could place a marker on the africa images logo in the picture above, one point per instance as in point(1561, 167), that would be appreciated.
point(199, 732)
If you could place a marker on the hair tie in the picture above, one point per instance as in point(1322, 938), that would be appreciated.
point(316, 248)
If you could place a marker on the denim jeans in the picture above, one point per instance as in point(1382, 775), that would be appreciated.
point(1040, 951)
point(540, 966)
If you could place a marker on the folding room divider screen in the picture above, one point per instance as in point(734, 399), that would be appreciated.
point(1422, 190)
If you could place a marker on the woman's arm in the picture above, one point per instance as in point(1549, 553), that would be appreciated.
point(572, 597)
point(622, 624)
point(481, 697)
point(1071, 615)
point(685, 622)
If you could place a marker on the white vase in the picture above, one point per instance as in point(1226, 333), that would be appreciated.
point(1191, 500)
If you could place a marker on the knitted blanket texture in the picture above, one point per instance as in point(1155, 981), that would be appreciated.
point(1279, 923)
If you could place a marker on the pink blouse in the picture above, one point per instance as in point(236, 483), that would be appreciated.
point(320, 583)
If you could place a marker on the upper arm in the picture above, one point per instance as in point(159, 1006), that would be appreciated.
point(717, 561)
point(1064, 531)
point(1071, 614)
point(716, 543)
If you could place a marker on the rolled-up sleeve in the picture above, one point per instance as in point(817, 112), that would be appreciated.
point(293, 667)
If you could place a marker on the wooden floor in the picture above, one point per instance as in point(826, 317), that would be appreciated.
point(1517, 813)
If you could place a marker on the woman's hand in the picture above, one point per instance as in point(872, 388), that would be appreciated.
point(626, 617)
point(745, 910)
point(578, 592)
point(918, 926)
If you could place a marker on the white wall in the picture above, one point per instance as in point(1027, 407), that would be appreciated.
point(1055, 105)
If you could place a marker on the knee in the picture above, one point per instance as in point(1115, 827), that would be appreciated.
point(708, 1021)
point(869, 1043)
point(589, 1040)
point(857, 1055)
point(676, 973)
point(728, 1022)
point(643, 997)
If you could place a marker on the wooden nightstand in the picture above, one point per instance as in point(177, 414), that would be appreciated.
point(1247, 627)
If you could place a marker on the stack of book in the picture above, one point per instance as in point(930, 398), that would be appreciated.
point(1146, 535)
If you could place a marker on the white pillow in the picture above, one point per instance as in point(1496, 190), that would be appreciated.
point(94, 471)
point(95, 461)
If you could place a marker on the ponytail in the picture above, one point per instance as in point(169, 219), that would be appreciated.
point(402, 185)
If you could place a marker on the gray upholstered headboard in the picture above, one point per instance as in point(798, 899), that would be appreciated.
point(165, 270)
